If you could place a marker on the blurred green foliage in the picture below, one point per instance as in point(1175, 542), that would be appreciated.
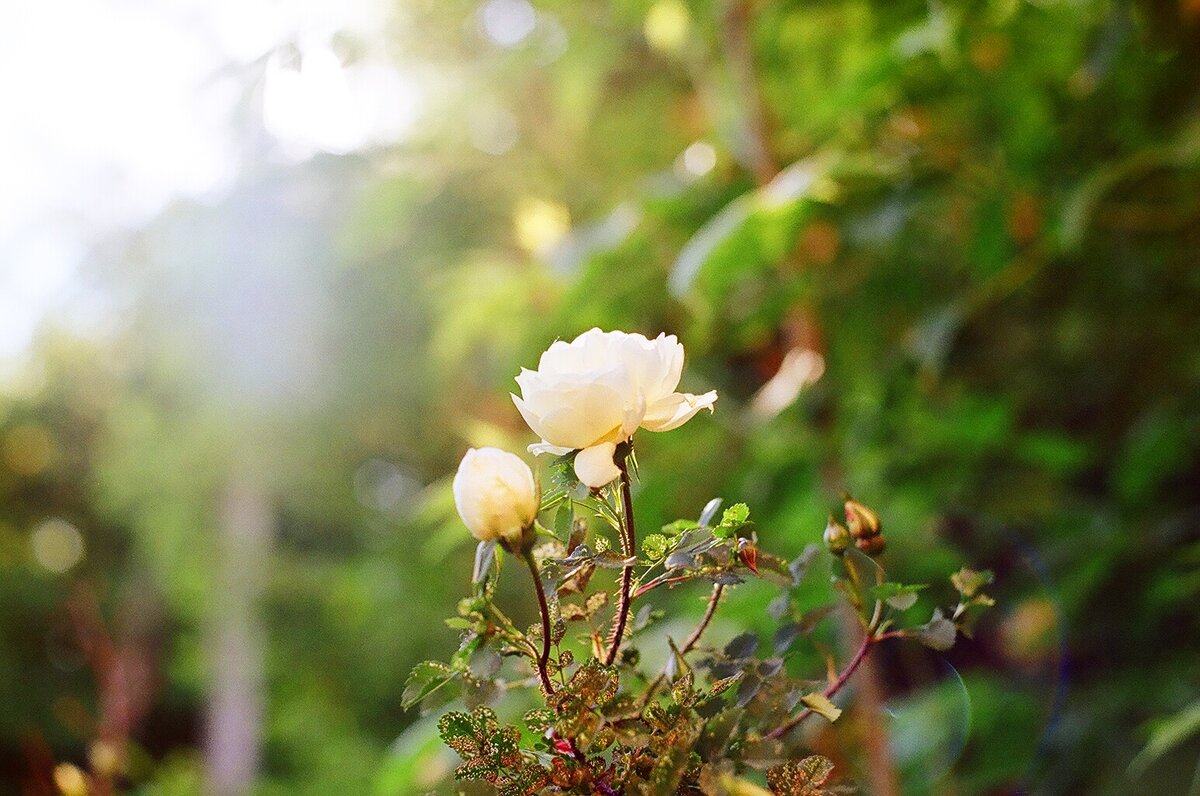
point(955, 244)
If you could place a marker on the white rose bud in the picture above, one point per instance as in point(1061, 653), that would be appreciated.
point(496, 497)
point(592, 393)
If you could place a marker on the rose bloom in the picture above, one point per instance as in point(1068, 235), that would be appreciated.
point(594, 392)
point(496, 495)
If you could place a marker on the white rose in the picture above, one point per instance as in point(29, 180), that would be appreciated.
point(496, 495)
point(592, 393)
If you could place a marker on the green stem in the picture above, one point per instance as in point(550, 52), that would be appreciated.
point(628, 547)
point(544, 608)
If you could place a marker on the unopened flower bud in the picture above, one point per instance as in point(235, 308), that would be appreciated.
point(837, 538)
point(862, 521)
point(871, 545)
point(497, 497)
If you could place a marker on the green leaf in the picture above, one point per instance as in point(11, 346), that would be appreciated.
point(819, 703)
point(611, 559)
point(858, 575)
point(1168, 734)
point(655, 546)
point(426, 678)
point(682, 691)
point(564, 519)
point(938, 633)
point(969, 581)
point(734, 518)
point(538, 719)
point(724, 684)
point(562, 472)
point(458, 623)
point(798, 567)
point(679, 526)
point(900, 596)
point(490, 752)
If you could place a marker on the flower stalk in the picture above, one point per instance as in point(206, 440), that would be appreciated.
point(543, 661)
point(628, 548)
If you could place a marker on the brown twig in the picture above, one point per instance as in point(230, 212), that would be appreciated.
point(628, 542)
point(544, 610)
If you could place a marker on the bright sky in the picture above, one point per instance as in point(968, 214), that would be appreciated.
point(110, 108)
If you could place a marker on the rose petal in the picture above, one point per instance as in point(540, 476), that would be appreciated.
point(595, 466)
point(538, 448)
point(675, 410)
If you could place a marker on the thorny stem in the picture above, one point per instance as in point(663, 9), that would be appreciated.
point(543, 661)
point(692, 640)
point(628, 542)
point(869, 640)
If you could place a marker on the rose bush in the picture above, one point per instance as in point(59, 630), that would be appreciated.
point(593, 393)
point(496, 495)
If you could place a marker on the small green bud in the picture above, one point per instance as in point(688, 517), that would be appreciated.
point(837, 538)
point(862, 521)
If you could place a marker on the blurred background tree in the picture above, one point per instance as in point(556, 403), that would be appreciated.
point(942, 255)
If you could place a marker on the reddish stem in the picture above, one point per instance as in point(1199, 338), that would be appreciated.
point(544, 610)
point(855, 662)
point(628, 542)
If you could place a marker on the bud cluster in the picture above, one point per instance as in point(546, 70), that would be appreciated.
point(863, 527)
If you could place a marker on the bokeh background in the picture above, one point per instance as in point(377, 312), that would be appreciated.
point(268, 268)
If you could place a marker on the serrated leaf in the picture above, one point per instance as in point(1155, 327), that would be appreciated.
point(898, 595)
point(655, 546)
point(562, 472)
point(673, 754)
point(680, 559)
point(724, 684)
point(804, 777)
point(538, 719)
point(819, 703)
point(785, 636)
point(424, 679)
point(737, 514)
point(564, 520)
point(742, 646)
point(679, 526)
point(611, 559)
point(734, 518)
point(682, 690)
point(938, 633)
point(595, 602)
point(969, 581)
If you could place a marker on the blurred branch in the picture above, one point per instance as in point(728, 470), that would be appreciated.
point(235, 714)
point(736, 21)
